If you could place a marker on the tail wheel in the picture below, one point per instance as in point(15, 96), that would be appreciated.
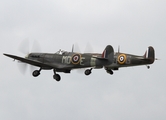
point(148, 67)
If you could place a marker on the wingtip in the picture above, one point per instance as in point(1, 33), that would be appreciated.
point(5, 54)
point(8, 55)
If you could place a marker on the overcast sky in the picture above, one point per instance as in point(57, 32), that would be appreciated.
point(131, 93)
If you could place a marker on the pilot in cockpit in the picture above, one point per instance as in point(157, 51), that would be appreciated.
point(61, 52)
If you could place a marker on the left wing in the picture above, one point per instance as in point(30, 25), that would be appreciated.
point(31, 62)
point(40, 64)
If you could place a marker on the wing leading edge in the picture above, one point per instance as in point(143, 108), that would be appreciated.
point(31, 62)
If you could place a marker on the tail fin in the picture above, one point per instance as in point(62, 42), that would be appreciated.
point(150, 54)
point(108, 53)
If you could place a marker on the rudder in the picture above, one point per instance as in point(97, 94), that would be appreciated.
point(150, 54)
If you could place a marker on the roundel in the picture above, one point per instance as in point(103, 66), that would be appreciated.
point(121, 58)
point(75, 58)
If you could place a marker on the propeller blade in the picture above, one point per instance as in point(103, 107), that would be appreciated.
point(24, 47)
point(22, 67)
point(88, 48)
point(32, 68)
point(76, 48)
point(36, 46)
point(81, 70)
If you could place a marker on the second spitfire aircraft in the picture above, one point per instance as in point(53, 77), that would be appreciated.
point(63, 61)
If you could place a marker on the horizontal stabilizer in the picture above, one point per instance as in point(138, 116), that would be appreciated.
point(100, 58)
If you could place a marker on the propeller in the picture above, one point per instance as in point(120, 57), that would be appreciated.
point(88, 49)
point(76, 48)
point(36, 46)
point(22, 67)
point(24, 48)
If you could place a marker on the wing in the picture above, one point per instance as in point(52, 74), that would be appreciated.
point(31, 62)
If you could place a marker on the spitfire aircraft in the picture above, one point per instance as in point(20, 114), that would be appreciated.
point(63, 61)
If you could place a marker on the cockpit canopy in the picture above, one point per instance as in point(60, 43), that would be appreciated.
point(62, 52)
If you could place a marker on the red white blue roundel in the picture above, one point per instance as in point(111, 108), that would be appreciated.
point(75, 58)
